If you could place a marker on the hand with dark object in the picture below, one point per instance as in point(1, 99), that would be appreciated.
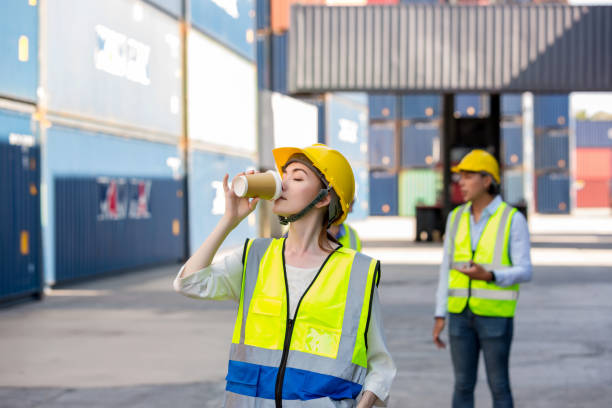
point(477, 272)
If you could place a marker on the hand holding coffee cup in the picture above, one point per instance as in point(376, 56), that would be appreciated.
point(267, 186)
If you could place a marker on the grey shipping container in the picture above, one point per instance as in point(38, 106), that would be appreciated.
point(347, 127)
point(383, 193)
point(553, 193)
point(550, 111)
point(19, 50)
point(593, 133)
point(552, 150)
point(513, 187)
point(117, 61)
point(172, 7)
point(381, 145)
point(512, 144)
point(420, 145)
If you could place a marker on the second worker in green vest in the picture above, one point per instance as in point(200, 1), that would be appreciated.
point(486, 256)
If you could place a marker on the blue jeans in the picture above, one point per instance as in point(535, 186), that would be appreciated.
point(468, 334)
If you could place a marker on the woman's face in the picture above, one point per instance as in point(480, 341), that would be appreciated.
point(300, 186)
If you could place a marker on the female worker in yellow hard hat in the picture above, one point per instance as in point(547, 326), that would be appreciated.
point(308, 330)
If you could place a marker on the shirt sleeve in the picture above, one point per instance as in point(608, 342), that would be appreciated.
point(381, 369)
point(442, 292)
point(520, 248)
point(221, 280)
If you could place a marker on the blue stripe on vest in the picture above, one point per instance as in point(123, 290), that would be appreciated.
point(259, 381)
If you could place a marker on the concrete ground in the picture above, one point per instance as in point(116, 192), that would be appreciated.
point(130, 341)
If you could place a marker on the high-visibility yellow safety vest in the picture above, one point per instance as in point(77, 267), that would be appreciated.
point(483, 298)
point(316, 359)
point(350, 239)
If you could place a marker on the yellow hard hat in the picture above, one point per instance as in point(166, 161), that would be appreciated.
point(479, 160)
point(332, 164)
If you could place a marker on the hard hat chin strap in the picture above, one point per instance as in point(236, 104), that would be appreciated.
point(292, 218)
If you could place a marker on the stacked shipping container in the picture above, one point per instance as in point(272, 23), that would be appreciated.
point(551, 153)
point(593, 177)
point(511, 133)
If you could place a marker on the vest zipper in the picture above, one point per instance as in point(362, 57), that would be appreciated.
point(280, 377)
point(278, 395)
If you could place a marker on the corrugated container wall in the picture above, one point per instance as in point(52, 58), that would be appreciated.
point(109, 224)
point(20, 248)
point(117, 61)
point(594, 163)
point(420, 106)
point(416, 188)
point(420, 145)
point(264, 67)
point(550, 111)
point(383, 193)
point(593, 133)
point(279, 62)
point(511, 104)
point(361, 206)
point(173, 7)
point(222, 96)
point(593, 194)
point(513, 186)
point(382, 107)
point(512, 144)
point(75, 153)
point(381, 145)
point(553, 193)
point(262, 15)
point(229, 22)
point(19, 49)
point(347, 127)
point(552, 150)
point(207, 199)
point(471, 105)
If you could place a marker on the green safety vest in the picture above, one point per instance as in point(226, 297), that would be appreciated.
point(316, 359)
point(483, 298)
point(350, 239)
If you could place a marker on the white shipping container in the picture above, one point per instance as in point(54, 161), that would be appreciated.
point(222, 95)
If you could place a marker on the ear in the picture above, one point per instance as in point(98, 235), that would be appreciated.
point(488, 180)
point(324, 201)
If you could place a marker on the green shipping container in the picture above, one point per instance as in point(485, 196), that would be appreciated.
point(418, 187)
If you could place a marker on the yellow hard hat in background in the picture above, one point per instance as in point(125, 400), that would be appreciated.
point(332, 164)
point(479, 160)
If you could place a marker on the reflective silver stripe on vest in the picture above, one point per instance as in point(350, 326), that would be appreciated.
point(485, 294)
point(342, 366)
point(501, 235)
point(352, 236)
point(453, 232)
point(233, 400)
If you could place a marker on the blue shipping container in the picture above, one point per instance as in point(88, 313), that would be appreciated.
point(279, 63)
point(382, 106)
point(552, 150)
point(550, 111)
point(420, 106)
point(207, 200)
point(553, 193)
point(111, 224)
point(420, 145)
point(172, 7)
point(231, 23)
point(16, 123)
point(593, 133)
point(19, 48)
point(470, 105)
point(513, 187)
point(512, 144)
point(347, 128)
point(383, 193)
point(76, 153)
point(263, 14)
point(361, 205)
point(264, 68)
point(117, 61)
point(381, 145)
point(20, 248)
point(511, 104)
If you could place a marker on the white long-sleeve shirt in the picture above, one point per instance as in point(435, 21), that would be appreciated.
point(222, 280)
